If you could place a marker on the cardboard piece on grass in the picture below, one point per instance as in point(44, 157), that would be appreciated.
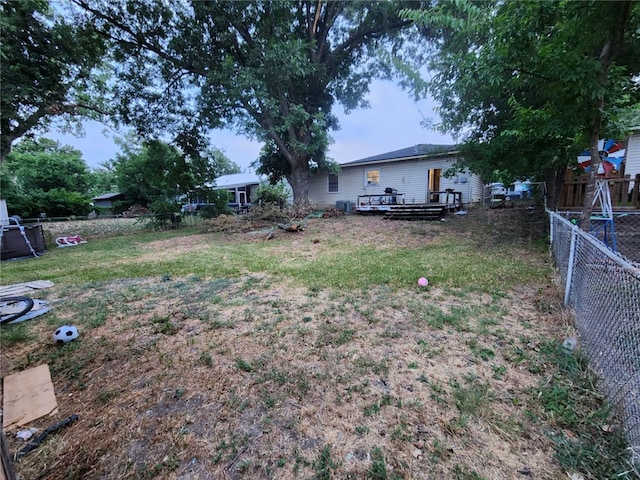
point(28, 396)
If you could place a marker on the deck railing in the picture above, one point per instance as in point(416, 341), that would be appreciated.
point(448, 198)
point(624, 192)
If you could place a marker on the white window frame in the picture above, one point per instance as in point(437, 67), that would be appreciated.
point(366, 177)
point(337, 182)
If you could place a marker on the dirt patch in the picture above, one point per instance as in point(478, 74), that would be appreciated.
point(252, 377)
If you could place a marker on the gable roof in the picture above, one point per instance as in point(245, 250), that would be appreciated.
point(416, 151)
point(107, 196)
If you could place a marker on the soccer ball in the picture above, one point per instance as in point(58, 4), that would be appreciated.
point(65, 334)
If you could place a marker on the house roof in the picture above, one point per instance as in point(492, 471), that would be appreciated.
point(236, 180)
point(415, 151)
point(107, 196)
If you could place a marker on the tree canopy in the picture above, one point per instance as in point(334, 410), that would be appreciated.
point(42, 176)
point(270, 69)
point(527, 85)
point(157, 171)
point(50, 68)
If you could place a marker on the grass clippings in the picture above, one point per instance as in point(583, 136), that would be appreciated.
point(282, 359)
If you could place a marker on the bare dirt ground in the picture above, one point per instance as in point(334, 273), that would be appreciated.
point(190, 378)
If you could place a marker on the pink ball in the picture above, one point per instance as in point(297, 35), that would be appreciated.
point(423, 282)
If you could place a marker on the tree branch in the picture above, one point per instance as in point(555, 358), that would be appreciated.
point(139, 37)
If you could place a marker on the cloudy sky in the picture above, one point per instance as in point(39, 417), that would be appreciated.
point(393, 122)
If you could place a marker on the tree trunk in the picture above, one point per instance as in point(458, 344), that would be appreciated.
point(609, 51)
point(590, 188)
point(555, 182)
point(299, 180)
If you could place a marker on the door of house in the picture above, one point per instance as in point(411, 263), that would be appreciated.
point(433, 184)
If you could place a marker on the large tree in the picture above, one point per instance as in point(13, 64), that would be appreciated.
point(42, 176)
point(270, 69)
point(527, 85)
point(153, 172)
point(49, 69)
point(157, 171)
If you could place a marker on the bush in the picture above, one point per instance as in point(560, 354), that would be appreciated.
point(271, 194)
point(165, 213)
point(56, 202)
point(218, 204)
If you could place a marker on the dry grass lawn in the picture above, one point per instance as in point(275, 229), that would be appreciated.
point(257, 378)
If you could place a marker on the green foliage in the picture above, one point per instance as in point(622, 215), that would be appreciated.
point(103, 180)
point(218, 204)
point(50, 68)
point(272, 70)
point(271, 194)
point(324, 465)
point(378, 468)
point(41, 176)
point(157, 171)
point(165, 213)
point(524, 87)
point(587, 440)
point(13, 334)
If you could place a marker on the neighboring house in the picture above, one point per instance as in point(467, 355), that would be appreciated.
point(414, 172)
point(106, 200)
point(632, 160)
point(239, 185)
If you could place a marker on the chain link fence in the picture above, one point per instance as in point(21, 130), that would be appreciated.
point(603, 288)
point(622, 235)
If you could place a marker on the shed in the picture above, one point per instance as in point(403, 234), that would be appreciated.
point(416, 173)
point(106, 200)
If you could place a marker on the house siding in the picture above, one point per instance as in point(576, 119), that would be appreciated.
point(632, 160)
point(407, 176)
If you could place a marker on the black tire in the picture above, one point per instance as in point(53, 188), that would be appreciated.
point(28, 305)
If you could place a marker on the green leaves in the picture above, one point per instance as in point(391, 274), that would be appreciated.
point(522, 82)
point(50, 68)
point(272, 70)
point(43, 176)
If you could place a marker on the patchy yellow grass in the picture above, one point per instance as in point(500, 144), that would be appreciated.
point(209, 378)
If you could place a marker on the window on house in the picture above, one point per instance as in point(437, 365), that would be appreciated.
point(372, 177)
point(333, 183)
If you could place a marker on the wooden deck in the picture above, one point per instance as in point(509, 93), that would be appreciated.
point(394, 208)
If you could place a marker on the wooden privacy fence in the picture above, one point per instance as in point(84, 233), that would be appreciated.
point(624, 192)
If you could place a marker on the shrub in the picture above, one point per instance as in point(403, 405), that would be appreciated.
point(165, 213)
point(218, 204)
point(271, 194)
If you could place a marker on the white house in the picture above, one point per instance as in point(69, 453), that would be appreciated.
point(239, 185)
point(414, 172)
point(632, 160)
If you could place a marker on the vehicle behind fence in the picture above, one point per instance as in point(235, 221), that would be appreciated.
point(603, 288)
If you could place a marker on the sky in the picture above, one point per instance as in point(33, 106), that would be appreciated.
point(392, 122)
